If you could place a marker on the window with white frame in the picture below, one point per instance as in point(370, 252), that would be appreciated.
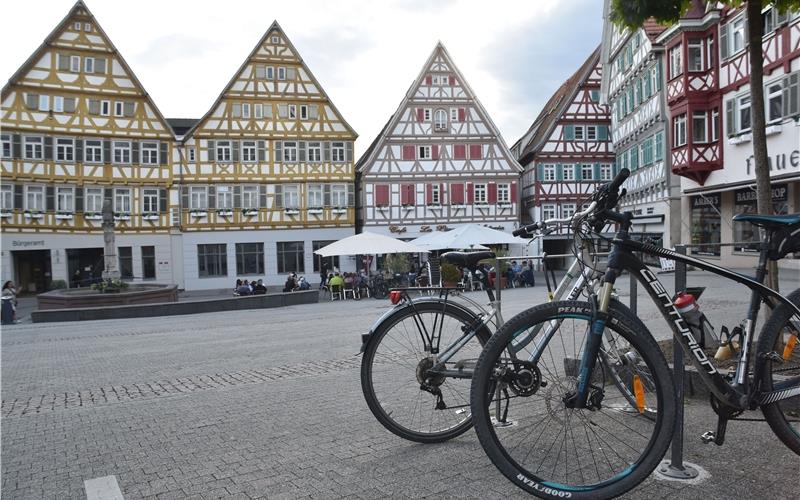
point(424, 153)
point(224, 198)
point(743, 115)
point(58, 104)
point(93, 200)
point(568, 172)
point(118, 108)
point(304, 112)
point(579, 135)
point(34, 148)
point(44, 103)
point(480, 193)
point(198, 197)
point(699, 127)
point(7, 149)
point(250, 197)
point(427, 114)
point(65, 199)
point(281, 73)
point(122, 152)
point(675, 61)
point(314, 152)
point(65, 149)
point(337, 152)
point(88, 65)
point(436, 195)
point(34, 198)
point(93, 151)
point(679, 131)
point(453, 114)
point(290, 152)
point(149, 200)
point(440, 120)
point(774, 97)
point(292, 111)
point(694, 56)
point(245, 110)
point(737, 35)
point(6, 197)
point(75, 64)
point(190, 150)
point(587, 173)
point(339, 195)
point(249, 152)
point(591, 132)
point(567, 210)
point(223, 151)
point(714, 124)
point(315, 199)
point(291, 196)
point(105, 108)
point(549, 172)
point(548, 211)
point(605, 172)
point(122, 200)
point(270, 73)
point(258, 111)
point(149, 154)
point(503, 193)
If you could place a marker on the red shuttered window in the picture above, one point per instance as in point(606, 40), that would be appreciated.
point(459, 152)
point(456, 194)
point(462, 113)
point(514, 192)
point(475, 151)
point(382, 195)
point(407, 194)
point(408, 153)
point(429, 80)
point(470, 193)
point(452, 80)
point(435, 152)
point(492, 193)
point(420, 114)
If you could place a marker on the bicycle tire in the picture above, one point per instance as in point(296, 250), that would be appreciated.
point(509, 461)
point(385, 410)
point(772, 339)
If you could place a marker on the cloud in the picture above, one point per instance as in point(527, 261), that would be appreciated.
point(167, 49)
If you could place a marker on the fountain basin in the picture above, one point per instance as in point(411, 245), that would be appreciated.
point(77, 298)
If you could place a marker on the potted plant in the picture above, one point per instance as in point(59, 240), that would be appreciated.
point(450, 275)
point(503, 265)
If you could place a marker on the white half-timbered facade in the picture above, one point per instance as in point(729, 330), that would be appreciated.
point(79, 128)
point(566, 153)
point(267, 173)
point(439, 161)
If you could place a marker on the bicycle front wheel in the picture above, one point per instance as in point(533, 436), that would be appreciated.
point(528, 370)
point(401, 389)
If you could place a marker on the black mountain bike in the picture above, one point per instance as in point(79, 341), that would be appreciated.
point(571, 437)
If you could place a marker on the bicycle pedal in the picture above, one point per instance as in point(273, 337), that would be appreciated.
point(708, 437)
point(773, 356)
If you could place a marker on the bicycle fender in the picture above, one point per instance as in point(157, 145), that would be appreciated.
point(365, 337)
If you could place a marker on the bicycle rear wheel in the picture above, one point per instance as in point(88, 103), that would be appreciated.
point(551, 450)
point(396, 366)
point(779, 340)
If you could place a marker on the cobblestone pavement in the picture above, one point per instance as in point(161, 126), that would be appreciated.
point(268, 404)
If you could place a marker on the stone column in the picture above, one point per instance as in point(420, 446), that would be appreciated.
point(110, 271)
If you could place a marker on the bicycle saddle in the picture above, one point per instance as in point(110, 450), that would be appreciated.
point(769, 221)
point(467, 259)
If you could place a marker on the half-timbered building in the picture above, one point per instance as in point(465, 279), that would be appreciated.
point(439, 161)
point(266, 176)
point(632, 85)
point(78, 128)
point(709, 98)
point(566, 153)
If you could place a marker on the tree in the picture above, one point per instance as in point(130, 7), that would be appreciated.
point(633, 13)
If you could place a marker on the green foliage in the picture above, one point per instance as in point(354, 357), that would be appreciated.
point(396, 263)
point(58, 285)
point(633, 13)
point(504, 264)
point(450, 273)
point(110, 286)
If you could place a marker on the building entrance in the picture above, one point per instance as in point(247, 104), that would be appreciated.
point(32, 269)
point(85, 266)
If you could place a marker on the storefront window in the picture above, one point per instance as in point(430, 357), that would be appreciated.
point(706, 224)
point(745, 203)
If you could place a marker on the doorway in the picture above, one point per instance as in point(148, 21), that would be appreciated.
point(32, 268)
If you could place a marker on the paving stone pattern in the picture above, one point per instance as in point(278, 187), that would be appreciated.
point(268, 404)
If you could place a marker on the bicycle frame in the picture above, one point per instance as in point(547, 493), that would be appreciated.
point(739, 394)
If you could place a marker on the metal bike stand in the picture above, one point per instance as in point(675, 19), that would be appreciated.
point(675, 468)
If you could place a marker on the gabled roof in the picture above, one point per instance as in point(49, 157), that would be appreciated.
point(652, 29)
point(368, 156)
point(181, 125)
point(48, 41)
point(276, 27)
point(543, 125)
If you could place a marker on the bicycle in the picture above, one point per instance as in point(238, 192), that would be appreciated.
point(571, 438)
point(420, 355)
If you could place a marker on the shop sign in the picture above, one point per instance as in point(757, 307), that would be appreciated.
point(777, 163)
point(748, 196)
point(706, 200)
point(27, 244)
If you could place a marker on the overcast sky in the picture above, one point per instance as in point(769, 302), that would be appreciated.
point(365, 53)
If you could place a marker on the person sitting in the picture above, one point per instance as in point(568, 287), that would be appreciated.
point(244, 289)
point(259, 288)
point(303, 284)
point(237, 285)
point(336, 284)
point(290, 284)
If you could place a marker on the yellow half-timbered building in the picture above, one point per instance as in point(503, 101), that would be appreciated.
point(266, 176)
point(79, 128)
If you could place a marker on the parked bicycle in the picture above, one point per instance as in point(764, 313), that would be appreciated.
point(573, 432)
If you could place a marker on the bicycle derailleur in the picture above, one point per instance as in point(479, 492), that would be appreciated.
point(430, 382)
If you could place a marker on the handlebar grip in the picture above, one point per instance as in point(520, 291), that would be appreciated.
point(619, 179)
point(526, 230)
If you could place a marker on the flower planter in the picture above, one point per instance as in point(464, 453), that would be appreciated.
point(34, 215)
point(150, 217)
point(291, 211)
point(122, 217)
point(339, 210)
point(5, 215)
point(224, 213)
point(249, 213)
point(64, 216)
point(92, 217)
point(314, 211)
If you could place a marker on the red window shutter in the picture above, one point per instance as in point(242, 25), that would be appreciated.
point(420, 114)
point(475, 151)
point(459, 152)
point(462, 113)
point(457, 194)
point(404, 200)
point(492, 193)
point(452, 80)
point(429, 80)
point(429, 193)
point(435, 151)
point(408, 153)
point(514, 192)
point(382, 195)
point(441, 194)
point(470, 193)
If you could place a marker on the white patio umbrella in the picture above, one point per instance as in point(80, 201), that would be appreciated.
point(472, 236)
point(368, 244)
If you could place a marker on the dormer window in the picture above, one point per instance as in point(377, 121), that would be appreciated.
point(276, 40)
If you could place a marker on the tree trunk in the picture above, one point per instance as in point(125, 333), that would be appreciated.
point(759, 122)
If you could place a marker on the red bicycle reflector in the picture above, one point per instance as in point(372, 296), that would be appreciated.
point(395, 296)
